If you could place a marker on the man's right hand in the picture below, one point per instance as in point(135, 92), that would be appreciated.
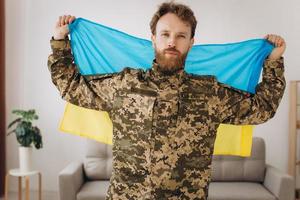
point(61, 29)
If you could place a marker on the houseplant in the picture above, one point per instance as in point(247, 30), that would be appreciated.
point(26, 135)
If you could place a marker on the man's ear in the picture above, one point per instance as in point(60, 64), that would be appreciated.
point(191, 43)
point(153, 40)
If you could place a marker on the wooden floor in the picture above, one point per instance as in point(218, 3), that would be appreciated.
point(34, 196)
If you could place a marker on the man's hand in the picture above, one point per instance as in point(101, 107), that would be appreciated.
point(61, 29)
point(279, 44)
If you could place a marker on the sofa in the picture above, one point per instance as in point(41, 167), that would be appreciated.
point(233, 177)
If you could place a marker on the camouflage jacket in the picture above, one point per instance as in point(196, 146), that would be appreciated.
point(164, 126)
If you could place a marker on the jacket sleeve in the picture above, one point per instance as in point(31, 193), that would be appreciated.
point(241, 108)
point(93, 92)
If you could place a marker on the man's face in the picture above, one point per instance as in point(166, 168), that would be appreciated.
point(171, 42)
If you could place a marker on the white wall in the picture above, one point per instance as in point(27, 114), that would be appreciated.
point(29, 26)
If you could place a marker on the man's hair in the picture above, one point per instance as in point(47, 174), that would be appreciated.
point(182, 11)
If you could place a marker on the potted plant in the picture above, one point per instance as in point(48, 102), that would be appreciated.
point(26, 135)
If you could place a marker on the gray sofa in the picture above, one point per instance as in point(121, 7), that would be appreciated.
point(233, 178)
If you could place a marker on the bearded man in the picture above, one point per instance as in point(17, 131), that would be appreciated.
point(165, 120)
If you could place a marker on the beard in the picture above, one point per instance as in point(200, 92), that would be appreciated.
point(172, 64)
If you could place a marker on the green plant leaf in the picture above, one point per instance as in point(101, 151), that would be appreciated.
point(26, 115)
point(20, 130)
point(11, 132)
point(13, 122)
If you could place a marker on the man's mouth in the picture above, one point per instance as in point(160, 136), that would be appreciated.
point(171, 52)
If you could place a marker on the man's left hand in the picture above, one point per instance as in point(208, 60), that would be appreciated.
point(279, 44)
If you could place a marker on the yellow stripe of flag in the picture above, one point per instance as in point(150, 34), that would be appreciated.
point(96, 125)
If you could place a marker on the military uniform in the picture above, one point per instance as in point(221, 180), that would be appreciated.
point(164, 126)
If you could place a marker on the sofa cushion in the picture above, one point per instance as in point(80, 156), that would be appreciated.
point(93, 190)
point(238, 191)
point(236, 168)
point(98, 161)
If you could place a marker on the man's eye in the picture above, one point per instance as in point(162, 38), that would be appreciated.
point(182, 36)
point(165, 34)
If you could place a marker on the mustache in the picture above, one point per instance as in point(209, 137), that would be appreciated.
point(172, 50)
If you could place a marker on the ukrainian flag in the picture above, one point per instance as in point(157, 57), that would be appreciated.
point(99, 49)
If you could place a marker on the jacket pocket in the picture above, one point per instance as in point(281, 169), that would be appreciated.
point(135, 104)
point(193, 103)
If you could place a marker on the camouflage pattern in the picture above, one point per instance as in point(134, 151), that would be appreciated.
point(164, 126)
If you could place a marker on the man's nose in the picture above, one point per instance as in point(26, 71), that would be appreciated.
point(171, 42)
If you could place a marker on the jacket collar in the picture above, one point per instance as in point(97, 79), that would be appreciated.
point(162, 79)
